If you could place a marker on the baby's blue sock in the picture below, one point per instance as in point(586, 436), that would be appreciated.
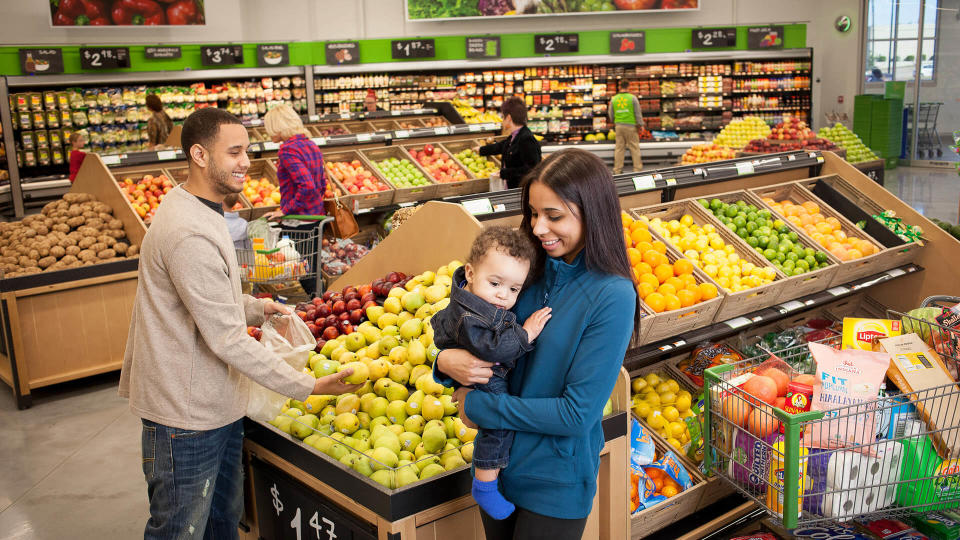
point(490, 499)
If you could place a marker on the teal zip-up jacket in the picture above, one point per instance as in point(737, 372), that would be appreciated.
point(558, 391)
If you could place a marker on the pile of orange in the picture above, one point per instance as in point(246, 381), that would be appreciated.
point(826, 231)
point(663, 286)
point(665, 485)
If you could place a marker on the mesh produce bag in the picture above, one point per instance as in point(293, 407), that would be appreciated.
point(288, 337)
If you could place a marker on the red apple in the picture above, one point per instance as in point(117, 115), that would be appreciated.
point(338, 307)
point(316, 301)
point(353, 304)
point(330, 332)
point(345, 316)
point(327, 295)
point(345, 327)
point(320, 343)
point(302, 315)
point(356, 315)
point(314, 329)
point(367, 304)
point(368, 298)
point(330, 320)
point(323, 310)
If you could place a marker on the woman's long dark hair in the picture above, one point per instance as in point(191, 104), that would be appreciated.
point(583, 181)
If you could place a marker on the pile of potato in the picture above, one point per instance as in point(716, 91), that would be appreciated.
point(75, 231)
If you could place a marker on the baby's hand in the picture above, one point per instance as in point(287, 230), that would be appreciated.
point(535, 323)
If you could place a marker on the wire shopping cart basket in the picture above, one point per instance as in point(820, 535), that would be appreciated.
point(943, 339)
point(902, 465)
point(294, 256)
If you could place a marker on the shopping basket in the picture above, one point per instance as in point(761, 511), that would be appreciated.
point(897, 474)
point(287, 255)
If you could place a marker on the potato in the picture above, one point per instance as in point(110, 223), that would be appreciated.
point(86, 242)
point(95, 222)
point(76, 221)
point(44, 250)
point(121, 247)
point(86, 255)
point(133, 250)
point(29, 233)
point(67, 242)
point(75, 236)
point(98, 247)
point(105, 217)
point(41, 229)
point(103, 208)
point(89, 214)
point(32, 270)
point(34, 254)
point(116, 233)
point(69, 259)
point(59, 251)
point(108, 240)
point(72, 251)
point(89, 231)
point(46, 262)
point(115, 224)
point(75, 211)
point(26, 262)
point(106, 254)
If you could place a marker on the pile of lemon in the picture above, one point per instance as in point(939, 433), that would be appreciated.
point(660, 403)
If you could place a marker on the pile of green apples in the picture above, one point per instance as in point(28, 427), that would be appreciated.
point(841, 136)
point(402, 173)
point(401, 426)
point(480, 166)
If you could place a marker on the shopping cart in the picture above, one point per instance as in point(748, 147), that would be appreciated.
point(928, 140)
point(946, 341)
point(898, 474)
point(287, 255)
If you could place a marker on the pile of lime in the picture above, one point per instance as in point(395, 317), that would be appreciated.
point(771, 238)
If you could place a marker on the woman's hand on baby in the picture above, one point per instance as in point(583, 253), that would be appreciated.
point(460, 398)
point(464, 367)
point(535, 323)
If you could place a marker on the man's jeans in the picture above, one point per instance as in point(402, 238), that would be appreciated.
point(194, 481)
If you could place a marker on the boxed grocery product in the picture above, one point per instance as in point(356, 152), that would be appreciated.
point(916, 368)
point(861, 333)
point(943, 525)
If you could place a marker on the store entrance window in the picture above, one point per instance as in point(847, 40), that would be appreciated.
point(893, 29)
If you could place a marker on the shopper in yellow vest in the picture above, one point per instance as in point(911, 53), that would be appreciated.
point(624, 112)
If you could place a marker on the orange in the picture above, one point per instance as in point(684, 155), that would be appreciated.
point(697, 293)
point(708, 291)
point(806, 220)
point(667, 290)
point(659, 246)
point(686, 297)
point(663, 272)
point(652, 257)
point(668, 491)
point(839, 235)
point(811, 207)
point(634, 255)
point(640, 235)
point(672, 302)
point(688, 280)
point(650, 279)
point(644, 289)
point(682, 266)
point(854, 254)
point(794, 220)
point(824, 228)
point(833, 222)
point(676, 282)
point(636, 275)
point(637, 224)
point(643, 247)
point(656, 302)
point(643, 268)
point(626, 240)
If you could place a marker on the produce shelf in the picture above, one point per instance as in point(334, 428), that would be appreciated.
point(654, 352)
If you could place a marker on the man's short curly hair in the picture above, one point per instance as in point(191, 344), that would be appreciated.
point(507, 239)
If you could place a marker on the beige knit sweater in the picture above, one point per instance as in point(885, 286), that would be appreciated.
point(188, 355)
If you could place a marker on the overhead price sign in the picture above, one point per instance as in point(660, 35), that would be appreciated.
point(104, 57)
point(556, 43)
point(221, 55)
point(401, 49)
point(713, 38)
point(628, 42)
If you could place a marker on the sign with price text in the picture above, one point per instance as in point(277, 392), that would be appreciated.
point(221, 55)
point(401, 49)
point(286, 509)
point(104, 57)
point(556, 43)
point(713, 38)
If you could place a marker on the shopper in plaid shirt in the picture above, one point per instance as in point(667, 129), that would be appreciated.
point(299, 164)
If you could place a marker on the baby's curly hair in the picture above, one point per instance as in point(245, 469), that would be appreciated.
point(511, 241)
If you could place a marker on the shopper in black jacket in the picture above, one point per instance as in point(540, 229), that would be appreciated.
point(520, 150)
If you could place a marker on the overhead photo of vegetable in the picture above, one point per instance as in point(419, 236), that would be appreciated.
point(127, 12)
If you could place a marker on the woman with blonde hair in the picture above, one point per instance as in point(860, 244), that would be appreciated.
point(299, 164)
point(299, 172)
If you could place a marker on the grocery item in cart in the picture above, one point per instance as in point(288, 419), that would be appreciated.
point(862, 333)
point(750, 459)
point(944, 525)
point(891, 528)
point(915, 368)
point(705, 356)
point(776, 489)
point(844, 483)
point(925, 478)
point(848, 380)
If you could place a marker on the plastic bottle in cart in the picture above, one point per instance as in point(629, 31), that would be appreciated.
point(288, 248)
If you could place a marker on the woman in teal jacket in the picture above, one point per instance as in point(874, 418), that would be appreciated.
point(558, 391)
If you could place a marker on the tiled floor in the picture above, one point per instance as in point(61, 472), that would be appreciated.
point(71, 463)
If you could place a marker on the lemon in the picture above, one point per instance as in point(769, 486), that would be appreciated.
point(638, 385)
point(674, 443)
point(670, 413)
point(683, 403)
point(657, 421)
point(677, 429)
point(674, 386)
point(668, 398)
point(653, 399)
point(652, 379)
point(642, 409)
point(664, 386)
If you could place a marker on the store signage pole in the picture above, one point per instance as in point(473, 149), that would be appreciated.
point(914, 135)
point(16, 193)
point(311, 97)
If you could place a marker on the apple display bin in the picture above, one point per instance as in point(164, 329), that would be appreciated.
point(851, 270)
point(84, 310)
point(804, 284)
point(450, 189)
point(316, 130)
point(401, 194)
point(734, 304)
point(857, 207)
point(361, 200)
point(359, 127)
point(409, 123)
point(136, 173)
point(283, 473)
point(383, 125)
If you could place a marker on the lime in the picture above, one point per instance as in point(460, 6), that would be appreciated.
point(769, 254)
point(793, 236)
point(808, 252)
point(763, 241)
point(751, 226)
point(803, 264)
point(731, 211)
point(753, 241)
point(811, 261)
point(716, 204)
point(820, 256)
point(740, 221)
point(742, 232)
point(791, 256)
point(704, 203)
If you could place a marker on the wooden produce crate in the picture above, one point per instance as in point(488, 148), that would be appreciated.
point(359, 127)
point(449, 189)
point(402, 195)
point(857, 206)
point(458, 146)
point(860, 305)
point(136, 173)
point(804, 284)
point(849, 271)
point(383, 125)
point(679, 321)
point(177, 173)
point(409, 123)
point(734, 304)
point(261, 168)
point(258, 134)
point(318, 129)
point(434, 121)
point(363, 200)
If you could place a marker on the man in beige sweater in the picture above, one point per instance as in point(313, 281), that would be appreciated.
point(189, 360)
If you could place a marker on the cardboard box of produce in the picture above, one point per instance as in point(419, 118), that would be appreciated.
point(918, 371)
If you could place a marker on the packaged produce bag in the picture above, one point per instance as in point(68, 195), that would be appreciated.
point(289, 338)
